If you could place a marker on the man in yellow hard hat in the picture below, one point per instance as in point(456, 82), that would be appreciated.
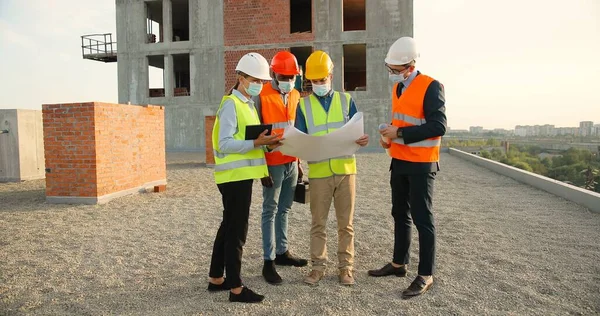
point(318, 114)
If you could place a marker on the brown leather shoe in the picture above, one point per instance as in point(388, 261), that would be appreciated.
point(388, 269)
point(417, 287)
point(346, 277)
point(314, 277)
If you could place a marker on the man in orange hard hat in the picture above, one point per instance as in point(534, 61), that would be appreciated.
point(276, 105)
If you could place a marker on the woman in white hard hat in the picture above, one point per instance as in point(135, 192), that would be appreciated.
point(237, 163)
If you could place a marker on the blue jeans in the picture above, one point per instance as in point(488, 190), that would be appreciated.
point(277, 202)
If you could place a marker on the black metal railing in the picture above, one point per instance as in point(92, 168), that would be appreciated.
point(99, 47)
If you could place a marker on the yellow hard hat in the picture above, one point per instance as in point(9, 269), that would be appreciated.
point(318, 65)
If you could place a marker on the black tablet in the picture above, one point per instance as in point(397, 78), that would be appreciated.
point(253, 131)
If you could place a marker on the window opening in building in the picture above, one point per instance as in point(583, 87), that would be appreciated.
point(181, 75)
point(302, 54)
point(181, 20)
point(156, 76)
point(154, 21)
point(300, 16)
point(355, 67)
point(354, 15)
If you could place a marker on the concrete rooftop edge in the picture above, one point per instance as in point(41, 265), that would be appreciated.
point(587, 198)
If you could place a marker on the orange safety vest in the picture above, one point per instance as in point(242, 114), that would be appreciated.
point(408, 111)
point(273, 111)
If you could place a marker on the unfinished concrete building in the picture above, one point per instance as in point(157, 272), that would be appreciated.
point(195, 45)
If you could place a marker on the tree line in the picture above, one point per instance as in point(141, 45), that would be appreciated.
point(578, 167)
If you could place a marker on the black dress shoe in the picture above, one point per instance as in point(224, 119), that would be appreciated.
point(217, 287)
point(417, 287)
point(270, 274)
point(246, 296)
point(287, 259)
point(388, 269)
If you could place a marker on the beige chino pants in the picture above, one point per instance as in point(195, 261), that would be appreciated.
point(342, 190)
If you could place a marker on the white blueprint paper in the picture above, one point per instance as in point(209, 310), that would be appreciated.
point(341, 142)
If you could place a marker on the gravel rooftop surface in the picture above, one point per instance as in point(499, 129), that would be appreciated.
point(503, 248)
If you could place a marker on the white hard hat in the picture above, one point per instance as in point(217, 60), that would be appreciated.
point(402, 52)
point(255, 65)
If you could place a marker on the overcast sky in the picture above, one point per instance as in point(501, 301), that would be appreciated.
point(503, 63)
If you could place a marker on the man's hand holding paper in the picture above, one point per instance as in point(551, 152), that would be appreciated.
point(344, 141)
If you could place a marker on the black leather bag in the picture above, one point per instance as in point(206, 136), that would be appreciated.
point(302, 194)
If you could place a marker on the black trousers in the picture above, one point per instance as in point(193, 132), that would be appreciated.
point(231, 236)
point(412, 201)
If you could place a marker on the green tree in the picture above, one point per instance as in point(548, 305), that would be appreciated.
point(497, 154)
point(547, 162)
point(522, 165)
point(590, 181)
point(493, 142)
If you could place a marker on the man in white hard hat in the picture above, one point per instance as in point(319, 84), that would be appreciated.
point(418, 122)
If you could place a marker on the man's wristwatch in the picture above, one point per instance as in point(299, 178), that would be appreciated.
point(399, 133)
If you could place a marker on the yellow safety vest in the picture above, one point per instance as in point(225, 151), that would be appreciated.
point(319, 122)
point(238, 167)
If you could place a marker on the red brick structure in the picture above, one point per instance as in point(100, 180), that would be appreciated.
point(209, 122)
point(265, 21)
point(98, 151)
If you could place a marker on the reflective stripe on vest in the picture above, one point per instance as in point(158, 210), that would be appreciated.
point(310, 122)
point(416, 122)
point(231, 167)
point(319, 122)
point(424, 143)
point(408, 111)
point(339, 157)
point(409, 119)
point(280, 125)
point(240, 164)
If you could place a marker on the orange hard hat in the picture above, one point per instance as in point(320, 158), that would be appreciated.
point(285, 63)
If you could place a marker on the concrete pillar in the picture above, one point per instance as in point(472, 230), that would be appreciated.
point(21, 146)
point(138, 77)
point(169, 75)
point(192, 74)
point(167, 21)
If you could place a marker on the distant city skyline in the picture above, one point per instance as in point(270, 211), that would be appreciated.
point(585, 128)
point(503, 63)
point(595, 124)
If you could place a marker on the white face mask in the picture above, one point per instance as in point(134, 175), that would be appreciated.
point(397, 78)
point(321, 89)
point(254, 88)
point(285, 86)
